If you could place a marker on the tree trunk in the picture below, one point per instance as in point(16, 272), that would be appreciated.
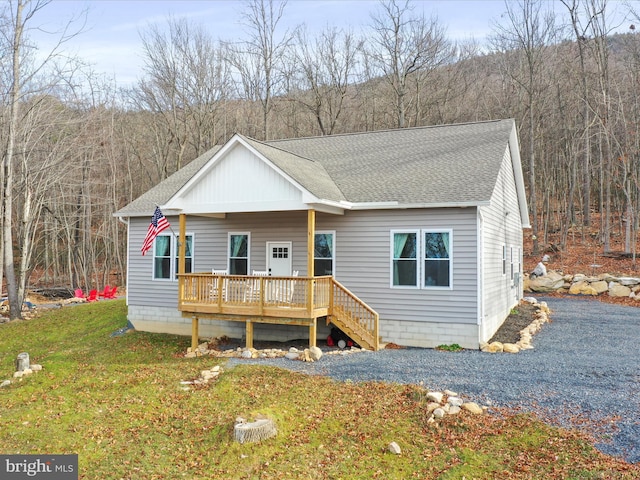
point(15, 303)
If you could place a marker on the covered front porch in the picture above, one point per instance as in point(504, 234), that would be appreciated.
point(284, 300)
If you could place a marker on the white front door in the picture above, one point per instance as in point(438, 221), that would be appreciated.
point(279, 259)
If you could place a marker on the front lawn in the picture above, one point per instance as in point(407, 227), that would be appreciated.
point(118, 402)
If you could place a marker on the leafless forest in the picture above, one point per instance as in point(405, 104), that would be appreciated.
point(75, 148)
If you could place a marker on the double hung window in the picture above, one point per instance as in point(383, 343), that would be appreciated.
point(324, 253)
point(421, 258)
point(238, 253)
point(165, 256)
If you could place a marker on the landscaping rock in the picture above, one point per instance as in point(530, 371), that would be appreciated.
point(600, 286)
point(510, 348)
point(6, 383)
point(582, 288)
point(315, 353)
point(472, 407)
point(618, 290)
point(394, 448)
point(493, 347)
point(435, 396)
point(547, 283)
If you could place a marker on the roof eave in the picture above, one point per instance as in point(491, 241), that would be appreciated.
point(397, 205)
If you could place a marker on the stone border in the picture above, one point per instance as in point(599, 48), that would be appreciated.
point(581, 284)
point(311, 354)
point(526, 334)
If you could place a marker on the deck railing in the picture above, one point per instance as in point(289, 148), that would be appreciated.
point(254, 295)
point(278, 297)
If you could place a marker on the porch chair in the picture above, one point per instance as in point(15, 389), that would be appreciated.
point(105, 292)
point(253, 288)
point(213, 294)
point(112, 293)
point(78, 293)
point(93, 296)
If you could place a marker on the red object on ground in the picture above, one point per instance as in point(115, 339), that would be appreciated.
point(93, 296)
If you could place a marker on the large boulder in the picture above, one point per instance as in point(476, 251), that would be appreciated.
point(551, 282)
point(600, 286)
point(582, 288)
point(617, 290)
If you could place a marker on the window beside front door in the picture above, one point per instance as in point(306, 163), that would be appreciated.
point(324, 253)
point(165, 256)
point(238, 253)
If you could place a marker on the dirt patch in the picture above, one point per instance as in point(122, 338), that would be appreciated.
point(519, 318)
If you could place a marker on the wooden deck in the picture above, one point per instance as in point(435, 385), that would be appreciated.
point(278, 300)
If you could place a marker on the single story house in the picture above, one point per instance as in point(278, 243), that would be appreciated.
point(421, 227)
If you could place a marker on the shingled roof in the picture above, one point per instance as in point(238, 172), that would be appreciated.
point(438, 165)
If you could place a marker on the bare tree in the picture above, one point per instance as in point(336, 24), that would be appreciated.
point(527, 34)
point(26, 102)
point(325, 68)
point(403, 45)
point(259, 60)
point(186, 80)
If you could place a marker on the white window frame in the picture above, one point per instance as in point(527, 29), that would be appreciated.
point(248, 257)
point(515, 261)
point(392, 235)
point(422, 258)
point(504, 259)
point(333, 249)
point(173, 256)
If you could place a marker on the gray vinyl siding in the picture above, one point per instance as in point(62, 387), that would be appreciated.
point(502, 226)
point(363, 259)
point(210, 244)
point(362, 264)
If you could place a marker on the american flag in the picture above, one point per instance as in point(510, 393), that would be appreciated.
point(157, 225)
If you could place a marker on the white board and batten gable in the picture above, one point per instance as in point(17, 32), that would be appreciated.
point(238, 179)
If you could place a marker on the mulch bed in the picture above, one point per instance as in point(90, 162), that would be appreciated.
point(520, 317)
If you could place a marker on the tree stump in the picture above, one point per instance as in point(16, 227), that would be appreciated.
point(254, 431)
point(22, 362)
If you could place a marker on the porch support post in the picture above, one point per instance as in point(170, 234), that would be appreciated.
point(249, 333)
point(313, 332)
point(182, 243)
point(194, 334)
point(311, 238)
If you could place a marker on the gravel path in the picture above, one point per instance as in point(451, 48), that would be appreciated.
point(584, 371)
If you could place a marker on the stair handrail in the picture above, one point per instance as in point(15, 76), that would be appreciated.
point(373, 331)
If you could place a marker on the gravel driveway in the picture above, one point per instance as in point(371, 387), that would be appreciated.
point(584, 371)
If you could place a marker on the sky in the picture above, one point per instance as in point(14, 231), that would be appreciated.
point(111, 38)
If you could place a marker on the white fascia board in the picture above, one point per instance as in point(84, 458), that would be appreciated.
point(514, 150)
point(396, 205)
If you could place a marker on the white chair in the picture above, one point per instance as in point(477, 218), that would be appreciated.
point(214, 285)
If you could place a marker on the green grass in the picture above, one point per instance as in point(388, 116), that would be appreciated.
point(118, 403)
